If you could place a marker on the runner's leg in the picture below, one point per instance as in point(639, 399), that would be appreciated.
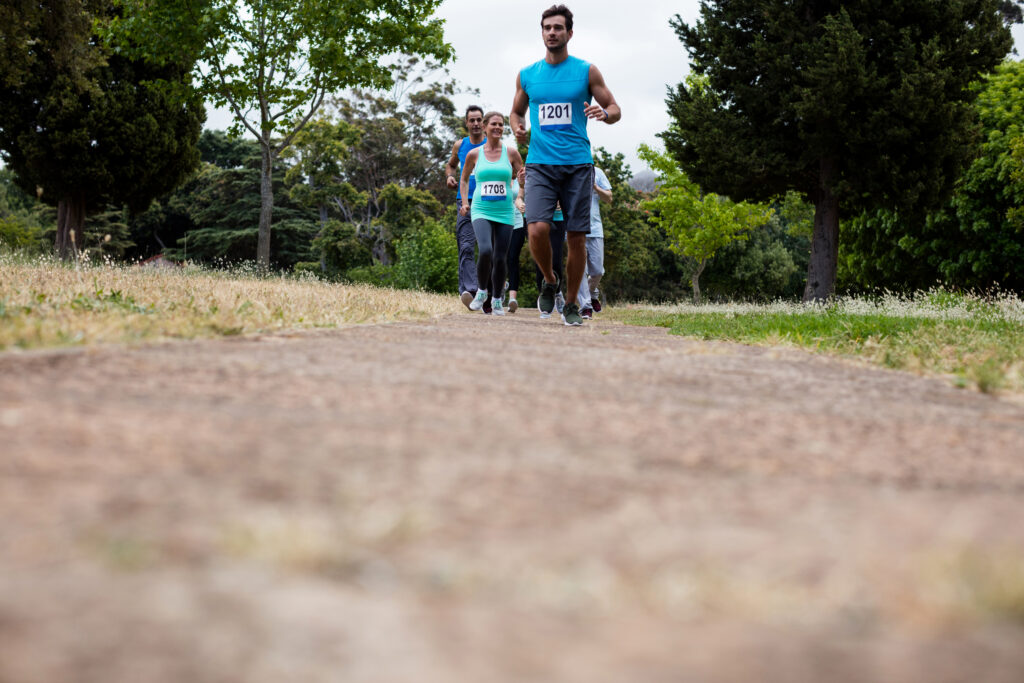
point(485, 245)
point(540, 249)
point(577, 260)
point(558, 250)
point(595, 264)
point(466, 240)
point(515, 249)
point(502, 234)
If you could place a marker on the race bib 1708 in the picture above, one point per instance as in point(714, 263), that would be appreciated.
point(493, 192)
point(555, 116)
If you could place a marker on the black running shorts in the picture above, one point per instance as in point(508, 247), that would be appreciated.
point(572, 186)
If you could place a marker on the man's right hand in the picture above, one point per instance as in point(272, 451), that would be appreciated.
point(521, 136)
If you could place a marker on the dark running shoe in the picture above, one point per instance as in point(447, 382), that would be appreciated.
point(546, 300)
point(487, 306)
point(586, 312)
point(596, 303)
point(571, 314)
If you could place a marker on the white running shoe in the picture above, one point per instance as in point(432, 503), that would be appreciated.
point(513, 305)
point(478, 302)
point(497, 306)
point(559, 302)
point(466, 298)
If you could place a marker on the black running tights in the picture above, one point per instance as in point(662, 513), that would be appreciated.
point(492, 241)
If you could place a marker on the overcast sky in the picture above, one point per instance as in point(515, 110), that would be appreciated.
point(631, 42)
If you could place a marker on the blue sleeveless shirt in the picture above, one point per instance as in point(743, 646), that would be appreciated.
point(558, 125)
point(465, 148)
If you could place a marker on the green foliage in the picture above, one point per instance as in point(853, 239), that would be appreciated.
point(698, 225)
point(767, 266)
point(867, 104)
point(89, 127)
point(973, 242)
point(638, 262)
point(427, 259)
point(340, 249)
point(314, 178)
point(219, 212)
point(23, 220)
point(273, 62)
point(106, 235)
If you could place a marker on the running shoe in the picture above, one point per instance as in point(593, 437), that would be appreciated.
point(513, 305)
point(595, 301)
point(559, 302)
point(571, 314)
point(478, 301)
point(467, 299)
point(546, 300)
point(586, 312)
point(498, 307)
point(487, 306)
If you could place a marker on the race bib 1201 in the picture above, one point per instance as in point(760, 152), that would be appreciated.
point(493, 192)
point(555, 116)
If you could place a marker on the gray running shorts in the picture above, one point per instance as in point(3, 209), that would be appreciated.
point(572, 186)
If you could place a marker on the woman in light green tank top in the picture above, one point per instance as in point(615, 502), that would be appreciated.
point(494, 165)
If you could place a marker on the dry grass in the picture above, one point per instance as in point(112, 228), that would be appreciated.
point(44, 303)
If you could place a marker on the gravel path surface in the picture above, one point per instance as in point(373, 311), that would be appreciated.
point(490, 500)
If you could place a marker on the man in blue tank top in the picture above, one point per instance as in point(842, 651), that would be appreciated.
point(464, 235)
point(558, 91)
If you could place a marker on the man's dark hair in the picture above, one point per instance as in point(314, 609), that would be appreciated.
point(473, 107)
point(555, 10)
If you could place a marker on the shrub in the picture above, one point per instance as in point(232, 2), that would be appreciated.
point(427, 259)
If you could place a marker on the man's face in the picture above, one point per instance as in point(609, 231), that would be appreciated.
point(474, 123)
point(554, 33)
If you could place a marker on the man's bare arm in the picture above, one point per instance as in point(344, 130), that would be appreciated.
point(452, 167)
point(603, 194)
point(517, 119)
point(467, 171)
point(604, 108)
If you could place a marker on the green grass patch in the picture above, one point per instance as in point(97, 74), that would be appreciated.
point(976, 345)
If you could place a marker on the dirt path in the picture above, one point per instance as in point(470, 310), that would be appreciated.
point(494, 500)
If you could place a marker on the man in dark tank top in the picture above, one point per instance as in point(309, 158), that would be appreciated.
point(463, 225)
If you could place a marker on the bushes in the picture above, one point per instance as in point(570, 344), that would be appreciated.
point(428, 259)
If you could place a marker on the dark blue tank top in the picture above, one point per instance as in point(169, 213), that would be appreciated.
point(465, 148)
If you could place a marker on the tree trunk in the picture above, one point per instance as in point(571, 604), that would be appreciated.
point(266, 208)
point(70, 220)
point(695, 281)
point(821, 270)
point(323, 226)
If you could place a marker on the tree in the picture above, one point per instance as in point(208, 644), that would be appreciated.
point(973, 241)
point(698, 224)
point(273, 62)
point(222, 206)
point(854, 105)
point(315, 177)
point(83, 128)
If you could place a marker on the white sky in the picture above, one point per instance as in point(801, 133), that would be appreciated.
point(633, 45)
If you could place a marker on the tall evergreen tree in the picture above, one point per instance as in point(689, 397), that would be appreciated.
point(83, 128)
point(853, 104)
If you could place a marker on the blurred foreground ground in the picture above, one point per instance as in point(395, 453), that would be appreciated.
point(489, 500)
